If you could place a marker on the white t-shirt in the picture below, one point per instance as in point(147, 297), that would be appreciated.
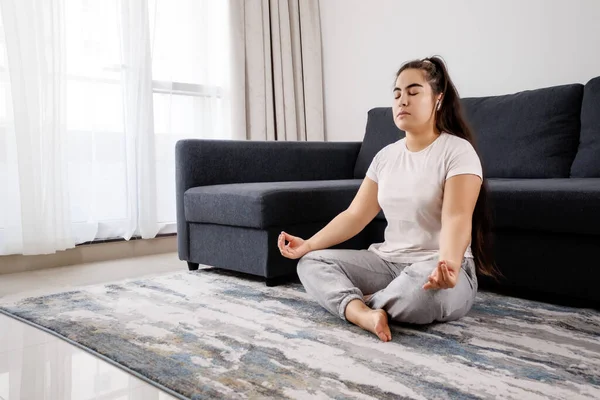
point(411, 188)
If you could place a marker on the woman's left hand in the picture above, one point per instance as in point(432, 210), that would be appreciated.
point(444, 276)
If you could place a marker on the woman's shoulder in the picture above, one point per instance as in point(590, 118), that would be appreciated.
point(391, 148)
point(457, 144)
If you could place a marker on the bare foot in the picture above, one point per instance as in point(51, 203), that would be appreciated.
point(376, 321)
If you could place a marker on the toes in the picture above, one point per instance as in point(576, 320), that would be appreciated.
point(388, 334)
point(385, 337)
point(382, 329)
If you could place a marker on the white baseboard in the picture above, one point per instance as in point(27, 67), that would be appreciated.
point(89, 253)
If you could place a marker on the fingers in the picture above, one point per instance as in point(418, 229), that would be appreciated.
point(294, 254)
point(439, 278)
point(442, 277)
point(443, 273)
point(281, 243)
point(284, 237)
point(288, 253)
point(431, 284)
point(448, 275)
point(432, 280)
point(285, 249)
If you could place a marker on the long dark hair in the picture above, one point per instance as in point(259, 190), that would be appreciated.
point(450, 119)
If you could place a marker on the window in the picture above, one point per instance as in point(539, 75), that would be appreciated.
point(187, 41)
point(187, 71)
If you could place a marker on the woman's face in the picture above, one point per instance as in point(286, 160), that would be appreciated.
point(414, 103)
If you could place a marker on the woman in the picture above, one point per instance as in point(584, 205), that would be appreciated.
point(430, 187)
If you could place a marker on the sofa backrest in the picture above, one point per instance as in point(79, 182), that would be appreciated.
point(530, 134)
point(587, 160)
point(381, 131)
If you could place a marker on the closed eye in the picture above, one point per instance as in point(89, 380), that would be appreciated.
point(397, 91)
point(410, 94)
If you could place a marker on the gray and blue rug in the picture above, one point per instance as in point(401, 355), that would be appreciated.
point(207, 334)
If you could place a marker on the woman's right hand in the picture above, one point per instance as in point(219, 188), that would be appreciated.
point(295, 248)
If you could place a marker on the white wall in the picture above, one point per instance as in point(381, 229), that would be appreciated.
point(491, 47)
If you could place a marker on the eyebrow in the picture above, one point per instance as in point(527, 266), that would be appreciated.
point(408, 87)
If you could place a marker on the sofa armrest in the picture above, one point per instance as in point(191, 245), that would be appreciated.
point(202, 162)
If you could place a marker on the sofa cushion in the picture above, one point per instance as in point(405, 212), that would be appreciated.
point(549, 205)
point(269, 204)
point(380, 131)
point(531, 134)
point(587, 160)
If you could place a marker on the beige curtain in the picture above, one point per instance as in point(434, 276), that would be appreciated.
point(276, 72)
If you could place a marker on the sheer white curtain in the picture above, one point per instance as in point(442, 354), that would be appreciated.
point(190, 64)
point(139, 120)
point(93, 96)
point(35, 202)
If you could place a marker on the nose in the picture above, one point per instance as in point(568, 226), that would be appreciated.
point(403, 99)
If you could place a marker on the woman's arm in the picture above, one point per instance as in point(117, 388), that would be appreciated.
point(347, 224)
point(350, 222)
point(460, 196)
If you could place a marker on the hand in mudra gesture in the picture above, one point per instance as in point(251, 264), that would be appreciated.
point(295, 247)
point(444, 276)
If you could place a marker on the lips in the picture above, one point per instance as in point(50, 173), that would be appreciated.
point(402, 113)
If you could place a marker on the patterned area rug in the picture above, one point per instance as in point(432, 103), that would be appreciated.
point(208, 334)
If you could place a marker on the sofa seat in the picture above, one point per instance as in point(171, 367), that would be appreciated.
point(269, 204)
point(569, 205)
point(549, 205)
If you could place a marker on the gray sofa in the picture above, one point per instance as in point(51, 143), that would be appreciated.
point(540, 151)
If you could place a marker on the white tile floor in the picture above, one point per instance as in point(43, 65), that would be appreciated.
point(35, 365)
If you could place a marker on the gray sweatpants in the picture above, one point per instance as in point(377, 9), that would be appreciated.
point(336, 277)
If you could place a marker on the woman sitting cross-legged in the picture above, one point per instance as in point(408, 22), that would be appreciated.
point(430, 187)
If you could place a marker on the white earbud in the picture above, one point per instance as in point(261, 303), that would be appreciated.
point(439, 105)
